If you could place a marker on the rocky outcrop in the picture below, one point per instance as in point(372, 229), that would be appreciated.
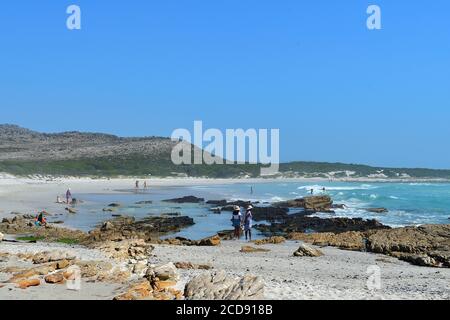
point(148, 229)
point(301, 223)
point(269, 213)
point(179, 241)
point(52, 256)
point(354, 241)
point(126, 249)
point(24, 224)
point(307, 251)
point(187, 199)
point(271, 240)
point(425, 245)
point(312, 203)
point(220, 286)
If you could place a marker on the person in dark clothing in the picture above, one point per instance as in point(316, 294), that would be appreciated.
point(248, 223)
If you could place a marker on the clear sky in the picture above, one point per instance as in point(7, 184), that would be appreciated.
point(336, 91)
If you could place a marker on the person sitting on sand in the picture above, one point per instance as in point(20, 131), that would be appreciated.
point(236, 221)
point(248, 222)
point(68, 196)
point(40, 219)
point(58, 200)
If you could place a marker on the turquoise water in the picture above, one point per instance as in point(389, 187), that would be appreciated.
point(408, 203)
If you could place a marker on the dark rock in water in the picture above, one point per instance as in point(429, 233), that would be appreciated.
point(144, 202)
point(217, 210)
point(229, 205)
point(269, 213)
point(171, 214)
point(114, 205)
point(301, 223)
point(147, 229)
point(220, 203)
point(312, 203)
point(377, 210)
point(187, 199)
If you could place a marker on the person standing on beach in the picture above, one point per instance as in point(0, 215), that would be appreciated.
point(137, 184)
point(248, 223)
point(68, 196)
point(236, 220)
point(145, 184)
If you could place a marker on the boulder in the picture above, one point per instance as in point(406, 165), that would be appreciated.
point(307, 251)
point(56, 278)
point(140, 268)
point(220, 286)
point(53, 256)
point(136, 291)
point(210, 242)
point(167, 272)
point(107, 226)
point(71, 210)
point(24, 284)
point(63, 264)
point(90, 269)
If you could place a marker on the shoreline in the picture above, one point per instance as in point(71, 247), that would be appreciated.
point(337, 275)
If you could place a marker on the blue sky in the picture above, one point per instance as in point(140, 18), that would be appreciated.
point(336, 91)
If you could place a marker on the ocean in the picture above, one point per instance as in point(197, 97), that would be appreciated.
point(408, 203)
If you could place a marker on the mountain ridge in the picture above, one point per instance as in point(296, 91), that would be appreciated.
point(26, 152)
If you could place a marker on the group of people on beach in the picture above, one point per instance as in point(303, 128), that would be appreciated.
point(242, 223)
point(69, 198)
point(136, 186)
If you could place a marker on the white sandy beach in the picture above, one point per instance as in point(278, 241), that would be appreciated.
point(337, 275)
